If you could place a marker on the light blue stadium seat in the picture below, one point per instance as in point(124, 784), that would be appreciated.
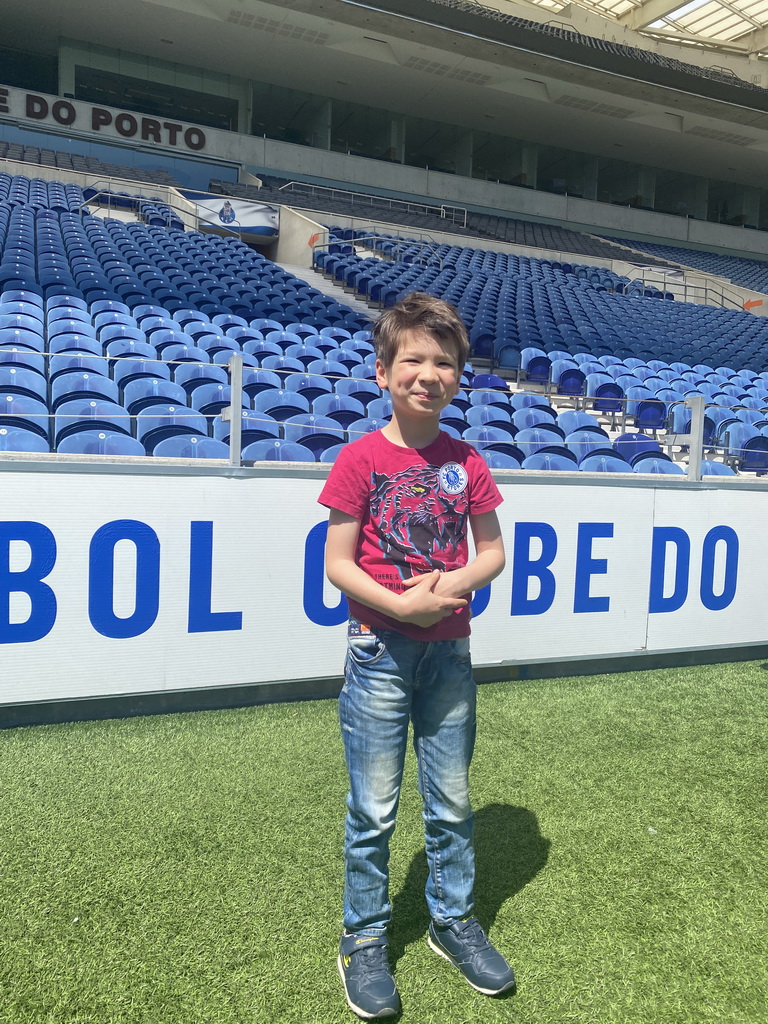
point(341, 408)
point(659, 466)
point(280, 404)
point(99, 442)
point(17, 439)
point(314, 432)
point(157, 422)
point(191, 446)
point(254, 426)
point(277, 451)
point(712, 468)
point(90, 414)
point(331, 454)
point(604, 464)
point(499, 460)
point(561, 461)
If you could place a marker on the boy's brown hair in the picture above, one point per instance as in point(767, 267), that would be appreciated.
point(418, 311)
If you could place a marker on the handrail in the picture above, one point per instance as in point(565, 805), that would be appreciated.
point(440, 211)
point(184, 208)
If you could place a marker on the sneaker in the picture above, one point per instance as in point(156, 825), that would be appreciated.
point(368, 982)
point(466, 945)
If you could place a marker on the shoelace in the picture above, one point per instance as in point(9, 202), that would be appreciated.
point(374, 959)
point(473, 934)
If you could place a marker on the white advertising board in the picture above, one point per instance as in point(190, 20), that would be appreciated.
point(127, 581)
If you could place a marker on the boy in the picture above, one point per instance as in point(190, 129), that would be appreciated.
point(400, 501)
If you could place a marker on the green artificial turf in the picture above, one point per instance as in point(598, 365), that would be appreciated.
point(186, 869)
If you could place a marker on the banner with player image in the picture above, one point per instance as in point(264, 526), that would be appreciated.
point(239, 215)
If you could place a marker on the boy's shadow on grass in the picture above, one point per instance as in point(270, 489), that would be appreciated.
point(509, 851)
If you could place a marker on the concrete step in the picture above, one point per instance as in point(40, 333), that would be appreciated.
point(335, 291)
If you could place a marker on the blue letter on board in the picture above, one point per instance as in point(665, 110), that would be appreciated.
point(315, 608)
point(587, 567)
point(662, 536)
point(523, 567)
point(201, 619)
point(716, 602)
point(101, 579)
point(42, 546)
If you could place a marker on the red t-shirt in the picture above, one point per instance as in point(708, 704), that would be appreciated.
point(414, 506)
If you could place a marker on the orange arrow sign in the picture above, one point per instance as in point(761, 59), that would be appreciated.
point(751, 303)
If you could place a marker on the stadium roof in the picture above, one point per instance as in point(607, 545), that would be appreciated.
point(739, 26)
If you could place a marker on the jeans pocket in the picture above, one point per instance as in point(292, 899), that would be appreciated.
point(460, 650)
point(365, 650)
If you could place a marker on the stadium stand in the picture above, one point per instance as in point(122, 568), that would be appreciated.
point(483, 225)
point(741, 270)
point(84, 164)
point(116, 339)
point(557, 41)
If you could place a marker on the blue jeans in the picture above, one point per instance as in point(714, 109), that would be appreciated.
point(390, 680)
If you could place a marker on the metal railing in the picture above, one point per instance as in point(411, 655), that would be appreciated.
point(453, 214)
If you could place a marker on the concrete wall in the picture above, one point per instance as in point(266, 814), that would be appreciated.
point(298, 233)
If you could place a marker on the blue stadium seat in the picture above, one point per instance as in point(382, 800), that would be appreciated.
point(69, 386)
point(341, 408)
point(17, 439)
point(533, 439)
point(280, 404)
point(314, 432)
point(17, 380)
point(277, 451)
point(364, 425)
point(711, 468)
point(210, 399)
point(551, 460)
point(194, 375)
point(499, 460)
point(662, 466)
point(254, 426)
point(310, 385)
point(534, 416)
point(157, 422)
point(604, 464)
point(90, 414)
point(633, 446)
point(331, 454)
point(190, 446)
point(99, 442)
point(491, 438)
point(142, 392)
point(586, 443)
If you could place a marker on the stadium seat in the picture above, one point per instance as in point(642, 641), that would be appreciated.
point(277, 451)
point(17, 439)
point(191, 447)
point(604, 464)
point(157, 422)
point(254, 426)
point(664, 467)
point(314, 432)
point(90, 414)
point(562, 461)
point(499, 460)
point(99, 442)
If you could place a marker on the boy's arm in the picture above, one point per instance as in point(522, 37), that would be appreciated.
point(488, 562)
point(419, 605)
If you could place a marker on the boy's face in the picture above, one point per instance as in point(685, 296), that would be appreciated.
point(424, 376)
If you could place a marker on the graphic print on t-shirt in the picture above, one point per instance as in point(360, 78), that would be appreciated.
point(420, 523)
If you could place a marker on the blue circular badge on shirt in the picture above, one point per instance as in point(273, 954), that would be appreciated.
point(453, 478)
